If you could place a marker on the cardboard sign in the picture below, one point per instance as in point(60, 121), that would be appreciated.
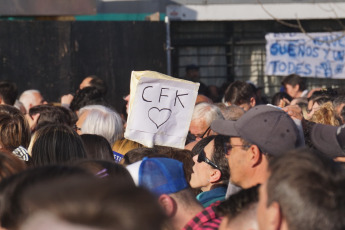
point(160, 109)
point(309, 55)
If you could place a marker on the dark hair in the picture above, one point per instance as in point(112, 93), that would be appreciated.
point(279, 96)
point(8, 92)
point(12, 190)
point(98, 83)
point(138, 154)
point(239, 203)
point(14, 128)
point(97, 147)
point(294, 79)
point(338, 101)
point(238, 93)
point(107, 170)
point(218, 156)
point(311, 183)
point(324, 93)
point(87, 96)
point(52, 115)
point(104, 206)
point(10, 164)
point(199, 147)
point(56, 144)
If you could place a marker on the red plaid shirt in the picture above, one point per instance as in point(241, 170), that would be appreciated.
point(206, 219)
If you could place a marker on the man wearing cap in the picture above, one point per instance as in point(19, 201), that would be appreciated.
point(260, 134)
point(330, 140)
point(165, 178)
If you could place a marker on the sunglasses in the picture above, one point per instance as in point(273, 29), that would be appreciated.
point(202, 158)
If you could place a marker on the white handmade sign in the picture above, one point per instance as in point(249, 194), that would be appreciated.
point(308, 55)
point(160, 109)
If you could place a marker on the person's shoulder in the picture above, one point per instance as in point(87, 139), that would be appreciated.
point(207, 219)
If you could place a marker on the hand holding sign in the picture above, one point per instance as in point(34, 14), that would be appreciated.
point(160, 109)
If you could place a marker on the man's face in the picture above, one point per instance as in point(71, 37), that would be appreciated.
point(80, 121)
point(292, 90)
point(201, 170)
point(198, 127)
point(237, 161)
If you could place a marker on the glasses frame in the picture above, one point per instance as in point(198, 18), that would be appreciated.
point(202, 158)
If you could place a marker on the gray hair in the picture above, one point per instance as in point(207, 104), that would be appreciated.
point(232, 112)
point(208, 112)
point(102, 121)
point(27, 98)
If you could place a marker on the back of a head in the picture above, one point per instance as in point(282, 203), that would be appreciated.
point(102, 121)
point(87, 96)
point(294, 79)
point(311, 183)
point(159, 175)
point(98, 83)
point(8, 92)
point(104, 206)
point(207, 111)
point(56, 144)
point(51, 115)
point(325, 115)
point(10, 164)
point(13, 190)
point(14, 128)
point(238, 93)
point(97, 147)
point(239, 210)
point(107, 170)
point(232, 112)
point(280, 96)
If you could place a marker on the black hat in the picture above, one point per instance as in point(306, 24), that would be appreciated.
point(268, 127)
point(329, 139)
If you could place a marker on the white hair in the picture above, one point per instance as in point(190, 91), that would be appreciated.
point(208, 112)
point(27, 98)
point(102, 121)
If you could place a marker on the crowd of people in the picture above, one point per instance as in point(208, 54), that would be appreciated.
point(246, 164)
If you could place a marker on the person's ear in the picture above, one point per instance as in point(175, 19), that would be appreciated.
point(255, 155)
point(168, 204)
point(275, 217)
point(252, 101)
point(215, 175)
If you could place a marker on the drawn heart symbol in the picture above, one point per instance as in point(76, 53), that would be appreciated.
point(159, 116)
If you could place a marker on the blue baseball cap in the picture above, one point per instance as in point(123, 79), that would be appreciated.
point(159, 175)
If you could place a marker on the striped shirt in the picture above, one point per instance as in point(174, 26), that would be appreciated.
point(206, 219)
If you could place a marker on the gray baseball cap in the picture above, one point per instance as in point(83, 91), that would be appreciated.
point(329, 139)
point(268, 127)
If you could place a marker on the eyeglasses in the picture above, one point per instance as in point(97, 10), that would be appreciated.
point(202, 158)
point(205, 134)
point(228, 147)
